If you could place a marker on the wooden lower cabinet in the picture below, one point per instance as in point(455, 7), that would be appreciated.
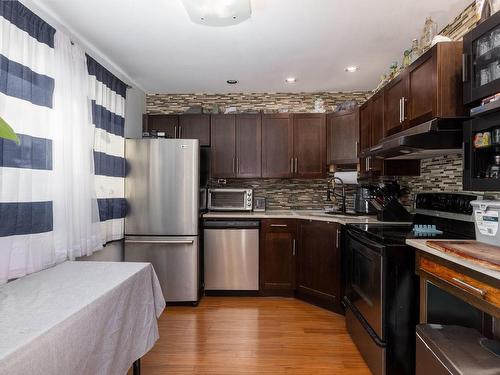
point(301, 258)
point(318, 263)
point(278, 246)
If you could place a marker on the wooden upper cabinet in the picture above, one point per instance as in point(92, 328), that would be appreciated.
point(394, 94)
point(309, 145)
point(277, 146)
point(377, 123)
point(248, 145)
point(342, 131)
point(195, 126)
point(365, 124)
point(434, 85)
point(162, 123)
point(223, 146)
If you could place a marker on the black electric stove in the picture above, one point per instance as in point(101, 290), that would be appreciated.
point(381, 288)
point(397, 234)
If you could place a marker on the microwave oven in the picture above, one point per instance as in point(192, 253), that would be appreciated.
point(230, 199)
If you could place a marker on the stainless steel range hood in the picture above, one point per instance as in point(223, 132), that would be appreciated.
point(432, 138)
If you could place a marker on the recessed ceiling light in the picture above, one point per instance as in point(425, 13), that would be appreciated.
point(232, 81)
point(351, 69)
point(291, 80)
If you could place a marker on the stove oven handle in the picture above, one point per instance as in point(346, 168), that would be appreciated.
point(365, 241)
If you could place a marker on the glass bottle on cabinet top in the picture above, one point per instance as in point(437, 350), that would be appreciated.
point(415, 50)
point(428, 33)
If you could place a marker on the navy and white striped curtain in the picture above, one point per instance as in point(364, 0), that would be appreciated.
point(26, 102)
point(107, 95)
point(68, 112)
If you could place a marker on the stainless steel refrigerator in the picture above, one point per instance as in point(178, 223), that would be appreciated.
point(162, 189)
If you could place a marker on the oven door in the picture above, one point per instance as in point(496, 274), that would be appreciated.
point(365, 280)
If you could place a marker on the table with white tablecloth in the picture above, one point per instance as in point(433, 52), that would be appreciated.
point(77, 318)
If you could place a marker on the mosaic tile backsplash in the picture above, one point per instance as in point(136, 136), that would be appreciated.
point(290, 194)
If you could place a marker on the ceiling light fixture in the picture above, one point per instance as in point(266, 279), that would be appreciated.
point(232, 82)
point(218, 12)
point(351, 69)
point(291, 80)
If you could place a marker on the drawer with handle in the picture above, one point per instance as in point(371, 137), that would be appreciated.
point(279, 225)
point(478, 290)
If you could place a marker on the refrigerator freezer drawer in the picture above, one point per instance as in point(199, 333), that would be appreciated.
point(231, 259)
point(175, 260)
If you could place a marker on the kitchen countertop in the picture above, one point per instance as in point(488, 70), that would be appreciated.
point(469, 263)
point(296, 214)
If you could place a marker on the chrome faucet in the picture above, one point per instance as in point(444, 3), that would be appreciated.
point(330, 190)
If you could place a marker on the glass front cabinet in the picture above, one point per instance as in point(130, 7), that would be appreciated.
point(481, 76)
point(481, 61)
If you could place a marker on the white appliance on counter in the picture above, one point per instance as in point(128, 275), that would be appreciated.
point(486, 215)
point(162, 188)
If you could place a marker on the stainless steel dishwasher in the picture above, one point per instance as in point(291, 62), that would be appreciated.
point(231, 255)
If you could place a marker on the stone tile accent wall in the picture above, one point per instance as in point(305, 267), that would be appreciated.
point(443, 173)
point(249, 102)
point(462, 23)
point(284, 194)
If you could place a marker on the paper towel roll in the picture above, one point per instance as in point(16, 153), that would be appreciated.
point(349, 178)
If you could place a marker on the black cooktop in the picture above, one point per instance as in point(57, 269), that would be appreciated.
point(395, 233)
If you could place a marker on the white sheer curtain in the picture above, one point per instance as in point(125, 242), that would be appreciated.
point(48, 207)
point(77, 228)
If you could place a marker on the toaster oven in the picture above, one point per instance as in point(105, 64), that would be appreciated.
point(230, 199)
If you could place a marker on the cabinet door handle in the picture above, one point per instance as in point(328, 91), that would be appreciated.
point(234, 161)
point(293, 247)
point(368, 162)
point(180, 131)
point(279, 225)
point(465, 67)
point(237, 165)
point(356, 148)
point(291, 165)
point(403, 108)
point(400, 111)
point(175, 131)
point(338, 238)
point(470, 287)
point(296, 165)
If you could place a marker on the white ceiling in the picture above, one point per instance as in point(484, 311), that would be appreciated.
point(155, 44)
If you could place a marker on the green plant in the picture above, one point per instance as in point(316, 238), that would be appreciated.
point(7, 132)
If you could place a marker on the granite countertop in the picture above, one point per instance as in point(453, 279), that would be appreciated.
point(316, 215)
point(421, 244)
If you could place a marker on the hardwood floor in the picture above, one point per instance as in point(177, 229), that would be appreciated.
point(252, 335)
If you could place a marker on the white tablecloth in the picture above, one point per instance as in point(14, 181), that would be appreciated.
point(79, 318)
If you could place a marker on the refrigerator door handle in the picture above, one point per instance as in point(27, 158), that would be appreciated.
point(166, 242)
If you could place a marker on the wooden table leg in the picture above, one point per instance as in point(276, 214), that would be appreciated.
point(137, 367)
